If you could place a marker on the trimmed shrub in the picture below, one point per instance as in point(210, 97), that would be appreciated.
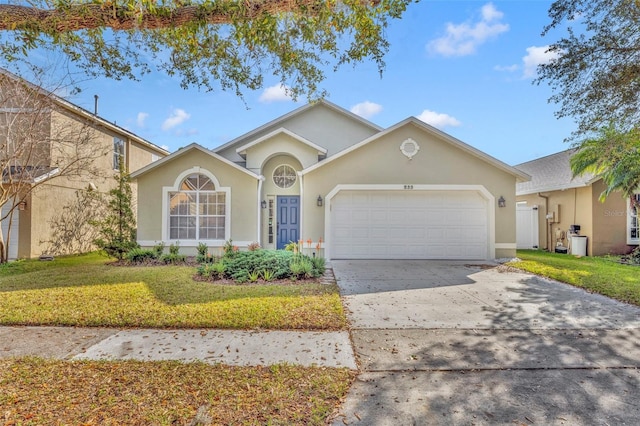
point(212, 270)
point(159, 249)
point(271, 265)
point(319, 265)
point(139, 255)
point(173, 258)
point(302, 267)
point(174, 248)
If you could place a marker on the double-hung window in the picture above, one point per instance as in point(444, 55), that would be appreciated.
point(197, 211)
point(118, 152)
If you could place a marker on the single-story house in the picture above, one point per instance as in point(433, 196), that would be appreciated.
point(345, 187)
point(554, 200)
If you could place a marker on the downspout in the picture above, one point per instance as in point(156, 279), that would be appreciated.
point(547, 225)
point(260, 180)
point(301, 205)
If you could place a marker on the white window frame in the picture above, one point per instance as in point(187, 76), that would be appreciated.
point(167, 190)
point(295, 176)
point(631, 215)
point(118, 142)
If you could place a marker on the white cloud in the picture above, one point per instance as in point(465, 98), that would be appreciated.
point(276, 93)
point(507, 68)
point(177, 117)
point(463, 39)
point(141, 118)
point(438, 120)
point(190, 132)
point(536, 55)
point(366, 109)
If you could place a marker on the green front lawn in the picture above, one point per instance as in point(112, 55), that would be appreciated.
point(597, 274)
point(87, 291)
point(48, 392)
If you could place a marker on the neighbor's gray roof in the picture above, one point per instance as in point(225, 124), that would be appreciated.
point(551, 173)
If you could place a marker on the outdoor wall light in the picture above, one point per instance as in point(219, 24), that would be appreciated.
point(502, 202)
point(263, 204)
point(22, 205)
point(319, 201)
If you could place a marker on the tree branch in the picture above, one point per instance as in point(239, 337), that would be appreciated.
point(90, 16)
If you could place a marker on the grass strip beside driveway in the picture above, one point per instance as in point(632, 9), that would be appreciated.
point(596, 274)
point(87, 291)
point(37, 391)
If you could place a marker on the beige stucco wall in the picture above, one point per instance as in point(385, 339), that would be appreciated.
point(319, 124)
point(574, 208)
point(244, 198)
point(139, 155)
point(437, 163)
point(604, 224)
point(609, 222)
point(280, 144)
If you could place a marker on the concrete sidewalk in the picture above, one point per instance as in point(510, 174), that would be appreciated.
point(230, 347)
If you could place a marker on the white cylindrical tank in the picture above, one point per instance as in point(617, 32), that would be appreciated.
point(579, 245)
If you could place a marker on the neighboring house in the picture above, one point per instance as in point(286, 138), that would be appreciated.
point(553, 200)
point(345, 187)
point(61, 129)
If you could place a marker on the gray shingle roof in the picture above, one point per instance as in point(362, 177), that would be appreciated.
point(551, 173)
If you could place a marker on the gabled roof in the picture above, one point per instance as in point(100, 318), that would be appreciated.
point(520, 176)
point(551, 173)
point(321, 151)
point(83, 112)
point(294, 113)
point(181, 152)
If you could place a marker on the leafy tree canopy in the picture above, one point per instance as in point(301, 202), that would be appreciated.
point(596, 78)
point(614, 156)
point(209, 44)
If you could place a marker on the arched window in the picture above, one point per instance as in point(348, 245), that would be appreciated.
point(197, 211)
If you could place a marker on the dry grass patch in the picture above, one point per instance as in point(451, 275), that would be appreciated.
point(37, 392)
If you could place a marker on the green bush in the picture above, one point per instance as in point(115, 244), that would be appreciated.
point(159, 249)
point(246, 262)
point(140, 255)
point(212, 270)
point(202, 249)
point(271, 264)
point(319, 265)
point(174, 248)
point(302, 267)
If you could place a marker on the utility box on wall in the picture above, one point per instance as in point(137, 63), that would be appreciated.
point(553, 214)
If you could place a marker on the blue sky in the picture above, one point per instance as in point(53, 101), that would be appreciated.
point(465, 67)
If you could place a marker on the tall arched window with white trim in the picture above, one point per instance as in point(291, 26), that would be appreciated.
point(197, 211)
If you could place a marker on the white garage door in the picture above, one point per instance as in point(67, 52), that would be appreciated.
point(410, 224)
point(13, 243)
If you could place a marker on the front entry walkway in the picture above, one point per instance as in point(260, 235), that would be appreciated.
point(469, 343)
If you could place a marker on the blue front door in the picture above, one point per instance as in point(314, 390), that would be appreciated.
point(288, 220)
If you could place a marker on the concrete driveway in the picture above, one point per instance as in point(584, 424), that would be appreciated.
point(470, 343)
